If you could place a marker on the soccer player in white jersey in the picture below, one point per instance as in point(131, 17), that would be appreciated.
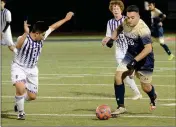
point(157, 31)
point(139, 57)
point(117, 7)
point(24, 71)
point(6, 35)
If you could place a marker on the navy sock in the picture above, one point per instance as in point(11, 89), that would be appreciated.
point(165, 47)
point(152, 95)
point(119, 94)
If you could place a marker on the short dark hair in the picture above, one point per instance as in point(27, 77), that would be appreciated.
point(40, 26)
point(151, 2)
point(132, 8)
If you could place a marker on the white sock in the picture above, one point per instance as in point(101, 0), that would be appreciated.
point(131, 83)
point(20, 103)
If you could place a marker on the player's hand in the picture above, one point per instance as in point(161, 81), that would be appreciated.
point(105, 40)
point(26, 27)
point(110, 43)
point(131, 65)
point(160, 24)
point(69, 15)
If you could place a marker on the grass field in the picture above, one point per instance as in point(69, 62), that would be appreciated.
point(76, 77)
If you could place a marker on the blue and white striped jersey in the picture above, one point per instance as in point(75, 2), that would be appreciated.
point(29, 53)
point(121, 46)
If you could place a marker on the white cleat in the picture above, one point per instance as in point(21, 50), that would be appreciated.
point(136, 97)
point(118, 111)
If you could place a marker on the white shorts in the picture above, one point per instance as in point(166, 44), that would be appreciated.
point(6, 38)
point(27, 75)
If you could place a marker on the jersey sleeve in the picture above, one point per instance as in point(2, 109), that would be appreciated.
point(8, 16)
point(145, 35)
point(108, 30)
point(158, 11)
point(47, 33)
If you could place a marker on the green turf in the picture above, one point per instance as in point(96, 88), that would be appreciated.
point(76, 77)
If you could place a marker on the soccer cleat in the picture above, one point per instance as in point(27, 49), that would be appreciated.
point(15, 108)
point(171, 57)
point(118, 111)
point(153, 103)
point(21, 116)
point(136, 97)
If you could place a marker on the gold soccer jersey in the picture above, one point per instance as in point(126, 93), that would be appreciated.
point(137, 37)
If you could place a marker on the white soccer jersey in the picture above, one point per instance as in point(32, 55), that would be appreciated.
point(29, 53)
point(5, 17)
point(121, 46)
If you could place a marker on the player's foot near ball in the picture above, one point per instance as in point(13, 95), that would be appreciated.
point(171, 57)
point(118, 111)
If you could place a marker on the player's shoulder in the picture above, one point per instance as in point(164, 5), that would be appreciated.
point(110, 20)
point(157, 10)
point(7, 11)
point(143, 28)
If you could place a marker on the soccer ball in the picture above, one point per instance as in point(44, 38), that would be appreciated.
point(103, 112)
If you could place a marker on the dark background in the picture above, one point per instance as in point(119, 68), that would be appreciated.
point(91, 16)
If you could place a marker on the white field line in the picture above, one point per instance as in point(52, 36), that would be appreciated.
point(41, 84)
point(93, 115)
point(106, 61)
point(170, 104)
point(99, 67)
point(42, 76)
point(87, 98)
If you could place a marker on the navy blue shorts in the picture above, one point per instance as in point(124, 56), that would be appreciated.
point(157, 32)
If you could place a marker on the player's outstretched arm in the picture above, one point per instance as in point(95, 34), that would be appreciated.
point(21, 39)
point(62, 21)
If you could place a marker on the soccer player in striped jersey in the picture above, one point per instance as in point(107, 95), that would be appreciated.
point(117, 7)
point(24, 71)
point(139, 57)
point(157, 32)
point(6, 35)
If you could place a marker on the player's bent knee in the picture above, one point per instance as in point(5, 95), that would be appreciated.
point(32, 96)
point(118, 77)
point(161, 40)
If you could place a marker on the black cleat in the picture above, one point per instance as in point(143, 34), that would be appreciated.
point(21, 116)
